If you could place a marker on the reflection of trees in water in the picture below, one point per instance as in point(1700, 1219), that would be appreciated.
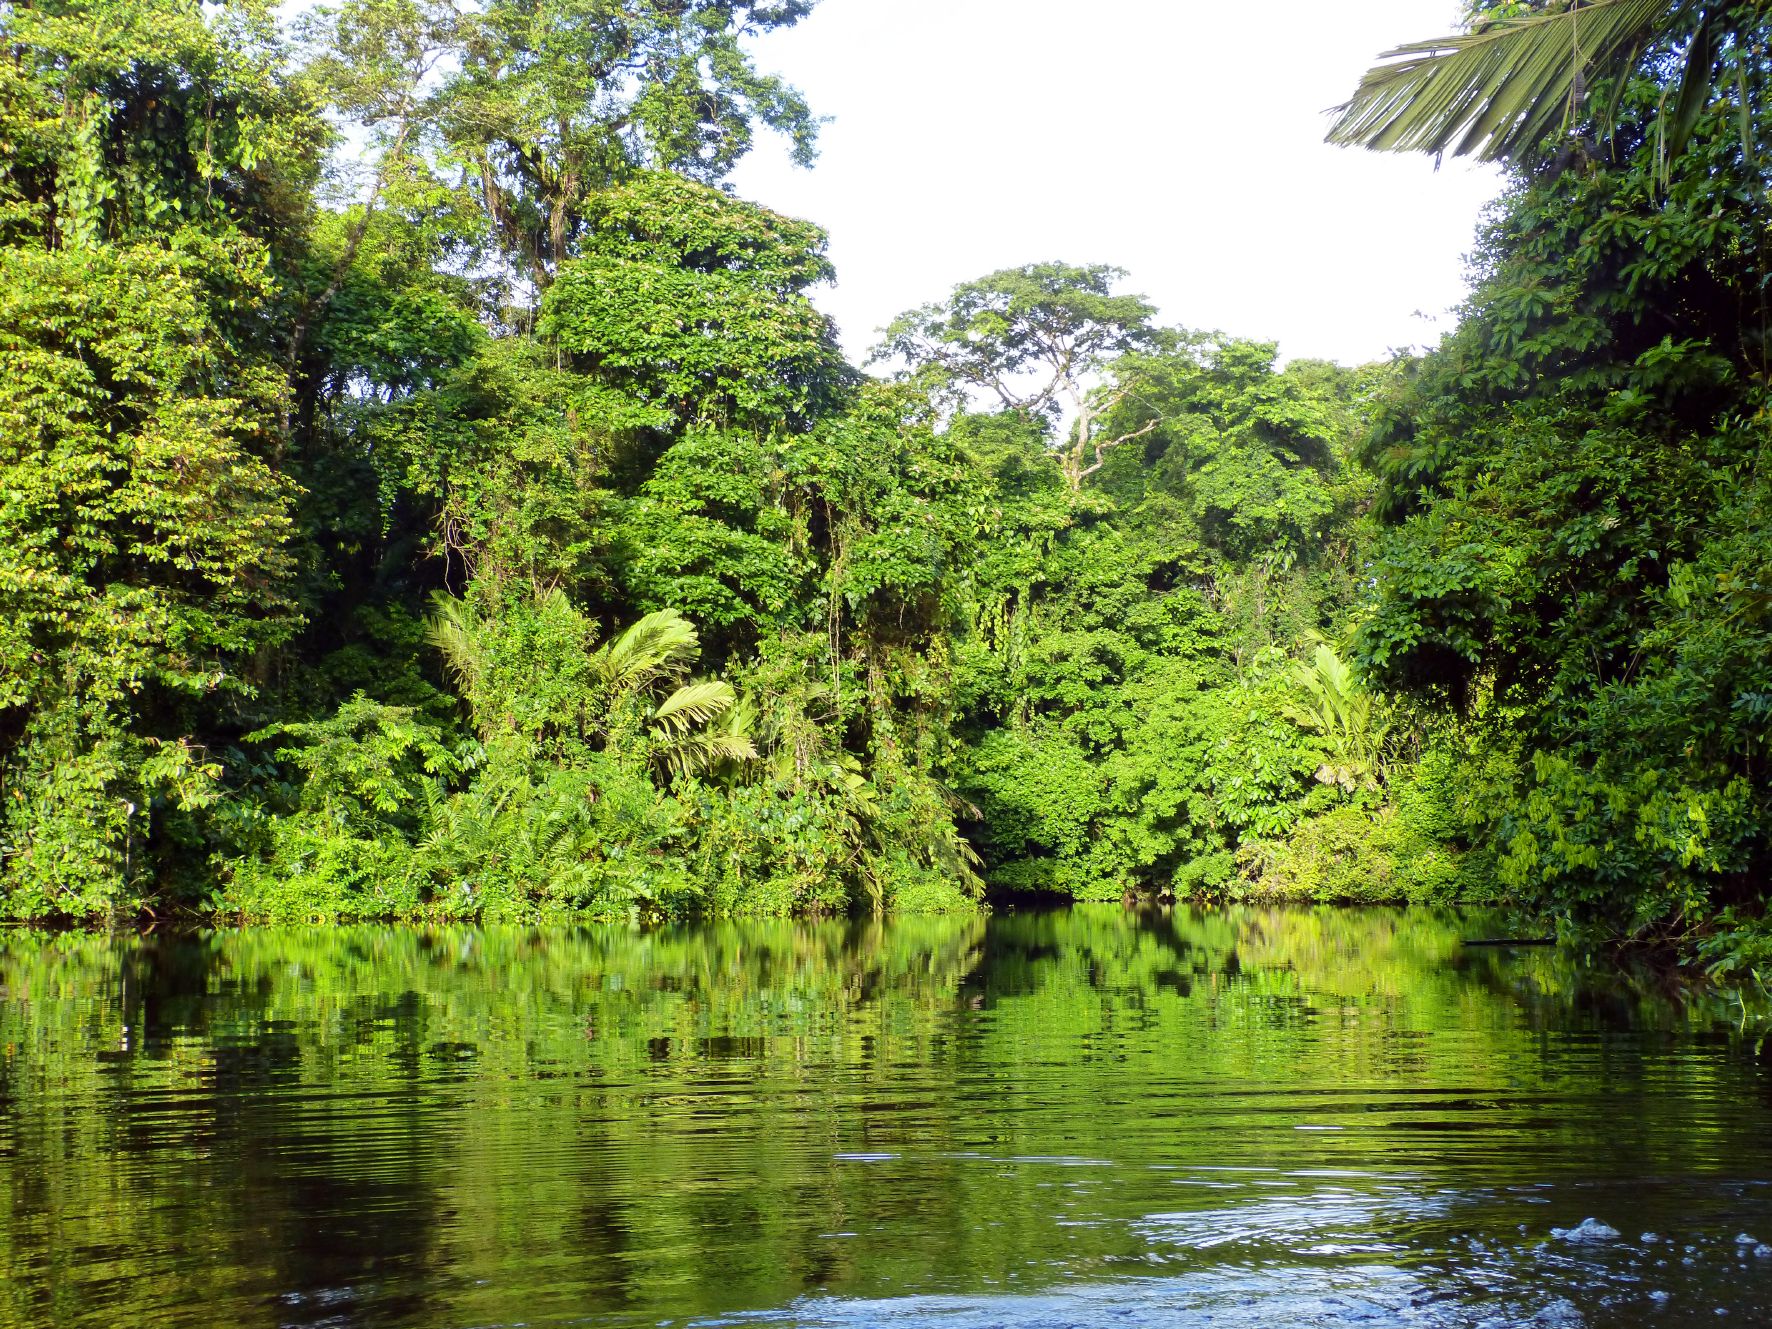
point(406, 1124)
point(1378, 1025)
point(334, 1108)
point(167, 1120)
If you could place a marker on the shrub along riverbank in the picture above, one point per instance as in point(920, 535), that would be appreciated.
point(517, 542)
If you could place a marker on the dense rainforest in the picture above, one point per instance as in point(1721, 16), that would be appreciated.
point(426, 491)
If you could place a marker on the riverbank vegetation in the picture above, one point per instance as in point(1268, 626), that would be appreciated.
point(467, 512)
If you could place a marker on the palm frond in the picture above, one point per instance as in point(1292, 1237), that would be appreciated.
point(660, 646)
point(955, 853)
point(1694, 87)
point(697, 754)
point(1498, 92)
point(694, 706)
point(1332, 701)
point(729, 747)
point(455, 629)
point(701, 727)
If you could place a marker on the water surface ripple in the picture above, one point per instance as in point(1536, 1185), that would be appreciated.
point(1238, 1117)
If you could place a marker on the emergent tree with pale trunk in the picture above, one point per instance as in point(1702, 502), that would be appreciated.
point(1039, 339)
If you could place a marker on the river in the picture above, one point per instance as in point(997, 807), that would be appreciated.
point(1092, 1117)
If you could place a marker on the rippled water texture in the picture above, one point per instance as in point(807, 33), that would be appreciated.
point(1247, 1117)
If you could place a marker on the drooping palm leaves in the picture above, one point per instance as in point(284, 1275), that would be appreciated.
point(697, 727)
point(1497, 92)
point(659, 648)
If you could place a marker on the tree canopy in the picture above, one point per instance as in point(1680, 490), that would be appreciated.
point(427, 491)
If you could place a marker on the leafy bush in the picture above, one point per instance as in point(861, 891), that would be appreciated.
point(1352, 855)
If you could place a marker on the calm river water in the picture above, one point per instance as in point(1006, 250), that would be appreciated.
point(1241, 1117)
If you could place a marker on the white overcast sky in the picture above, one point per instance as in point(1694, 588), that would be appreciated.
point(1181, 140)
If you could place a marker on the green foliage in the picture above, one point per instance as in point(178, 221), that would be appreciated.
point(531, 672)
point(1335, 704)
point(317, 519)
point(1052, 319)
point(1407, 848)
point(704, 534)
point(695, 303)
point(145, 117)
point(365, 767)
point(553, 101)
point(1134, 719)
point(514, 541)
point(313, 870)
point(1575, 486)
point(141, 532)
point(1259, 456)
point(528, 840)
point(158, 165)
point(1036, 339)
point(66, 827)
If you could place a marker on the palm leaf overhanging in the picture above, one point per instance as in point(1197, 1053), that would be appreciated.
point(1497, 93)
point(694, 706)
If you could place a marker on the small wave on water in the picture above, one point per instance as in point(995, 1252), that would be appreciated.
point(1314, 1262)
point(1372, 1295)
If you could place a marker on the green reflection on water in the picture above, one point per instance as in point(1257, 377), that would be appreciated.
point(480, 1126)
